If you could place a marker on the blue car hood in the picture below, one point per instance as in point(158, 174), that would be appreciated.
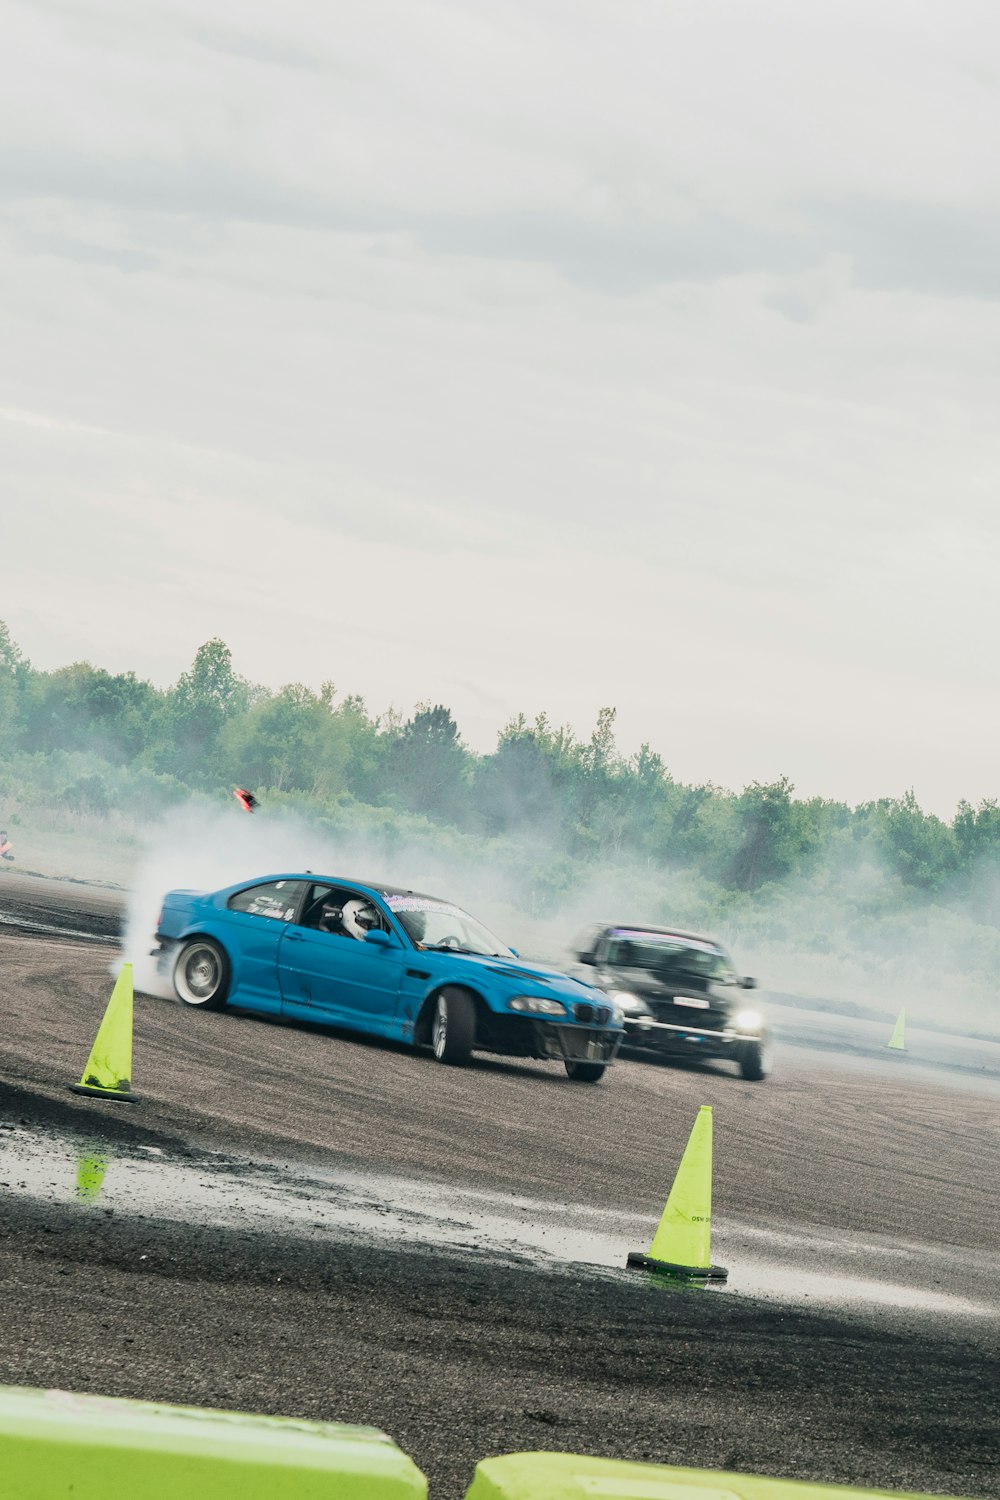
point(518, 970)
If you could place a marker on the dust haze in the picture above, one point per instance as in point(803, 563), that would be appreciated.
point(838, 937)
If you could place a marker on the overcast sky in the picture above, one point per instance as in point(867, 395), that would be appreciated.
point(525, 356)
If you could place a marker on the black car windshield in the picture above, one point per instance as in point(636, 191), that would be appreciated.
point(438, 924)
point(667, 952)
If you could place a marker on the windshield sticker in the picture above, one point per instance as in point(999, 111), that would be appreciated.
point(666, 940)
point(419, 903)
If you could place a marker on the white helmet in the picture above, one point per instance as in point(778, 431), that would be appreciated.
point(358, 918)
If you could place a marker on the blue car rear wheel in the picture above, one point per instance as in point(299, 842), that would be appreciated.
point(201, 974)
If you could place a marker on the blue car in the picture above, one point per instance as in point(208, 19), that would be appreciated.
point(381, 960)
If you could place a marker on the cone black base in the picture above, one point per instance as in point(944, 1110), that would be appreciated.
point(690, 1273)
point(92, 1088)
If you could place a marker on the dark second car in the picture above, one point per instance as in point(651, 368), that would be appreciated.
point(679, 992)
point(377, 959)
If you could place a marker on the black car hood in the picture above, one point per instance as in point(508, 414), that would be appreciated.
point(653, 986)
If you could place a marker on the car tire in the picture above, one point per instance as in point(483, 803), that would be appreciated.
point(755, 1060)
point(201, 975)
point(453, 1027)
point(583, 1072)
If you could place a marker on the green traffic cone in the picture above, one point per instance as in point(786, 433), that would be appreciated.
point(109, 1067)
point(682, 1243)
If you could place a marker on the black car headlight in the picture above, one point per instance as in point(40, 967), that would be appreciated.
point(629, 1004)
point(748, 1020)
point(538, 1005)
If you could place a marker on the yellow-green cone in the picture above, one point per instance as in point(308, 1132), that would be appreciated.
point(682, 1243)
point(898, 1031)
point(109, 1066)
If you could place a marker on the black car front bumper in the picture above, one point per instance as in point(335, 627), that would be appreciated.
point(668, 1036)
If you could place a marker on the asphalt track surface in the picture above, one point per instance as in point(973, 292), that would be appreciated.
point(296, 1221)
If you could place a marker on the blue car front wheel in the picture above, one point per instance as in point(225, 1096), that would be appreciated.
point(453, 1029)
point(584, 1072)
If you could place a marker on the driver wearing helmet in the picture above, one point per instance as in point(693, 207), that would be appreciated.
point(358, 918)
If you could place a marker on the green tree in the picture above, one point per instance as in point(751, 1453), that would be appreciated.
point(81, 707)
point(773, 835)
point(298, 740)
point(641, 794)
point(427, 764)
point(977, 831)
point(368, 743)
point(698, 828)
point(200, 704)
point(514, 787)
point(600, 758)
point(15, 674)
point(921, 849)
point(533, 783)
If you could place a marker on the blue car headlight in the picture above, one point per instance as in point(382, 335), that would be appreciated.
point(538, 1005)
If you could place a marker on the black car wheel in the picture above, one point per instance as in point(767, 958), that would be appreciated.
point(755, 1059)
point(453, 1029)
point(201, 974)
point(582, 1072)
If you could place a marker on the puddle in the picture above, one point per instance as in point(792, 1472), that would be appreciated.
point(785, 1265)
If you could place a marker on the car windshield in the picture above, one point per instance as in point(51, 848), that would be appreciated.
point(669, 953)
point(438, 924)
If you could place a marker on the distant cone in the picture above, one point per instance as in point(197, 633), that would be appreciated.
point(109, 1067)
point(897, 1039)
point(682, 1244)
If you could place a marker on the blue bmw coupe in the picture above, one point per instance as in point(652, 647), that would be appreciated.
point(377, 959)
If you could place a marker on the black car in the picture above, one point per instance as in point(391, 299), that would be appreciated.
point(680, 993)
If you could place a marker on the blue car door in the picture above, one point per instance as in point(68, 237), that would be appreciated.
point(330, 975)
point(256, 919)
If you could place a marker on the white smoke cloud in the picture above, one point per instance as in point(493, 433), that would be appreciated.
point(845, 935)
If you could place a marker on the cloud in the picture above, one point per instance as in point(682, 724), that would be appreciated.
point(455, 351)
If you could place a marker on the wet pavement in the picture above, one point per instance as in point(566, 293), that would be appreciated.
point(927, 1053)
point(788, 1265)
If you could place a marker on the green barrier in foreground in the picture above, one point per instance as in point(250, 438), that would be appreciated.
point(564, 1476)
point(54, 1445)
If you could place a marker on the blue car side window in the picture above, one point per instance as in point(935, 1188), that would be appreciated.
point(277, 899)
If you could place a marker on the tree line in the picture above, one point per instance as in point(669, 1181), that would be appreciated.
point(85, 738)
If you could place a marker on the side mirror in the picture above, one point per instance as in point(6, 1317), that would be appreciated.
point(380, 939)
point(748, 983)
point(515, 953)
point(587, 958)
